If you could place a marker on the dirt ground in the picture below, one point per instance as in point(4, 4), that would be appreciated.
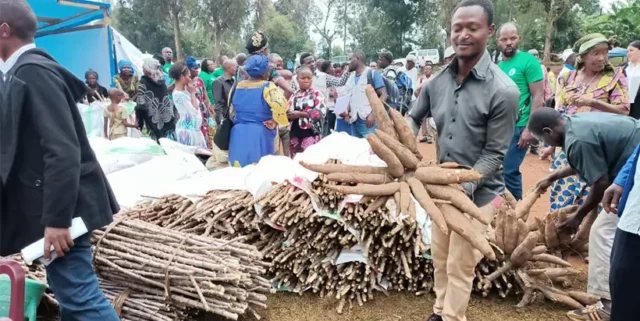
point(406, 306)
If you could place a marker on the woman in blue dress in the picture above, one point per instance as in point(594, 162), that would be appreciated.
point(257, 108)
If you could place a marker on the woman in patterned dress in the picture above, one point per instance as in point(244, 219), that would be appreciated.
point(155, 112)
point(257, 108)
point(305, 113)
point(592, 81)
point(188, 127)
point(208, 122)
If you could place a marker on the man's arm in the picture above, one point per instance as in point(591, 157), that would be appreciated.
point(500, 127)
point(53, 121)
point(333, 81)
point(420, 111)
point(378, 85)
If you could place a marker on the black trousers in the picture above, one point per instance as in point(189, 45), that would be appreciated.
point(624, 277)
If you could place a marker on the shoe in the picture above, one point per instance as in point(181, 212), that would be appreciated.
point(591, 313)
point(434, 317)
point(427, 139)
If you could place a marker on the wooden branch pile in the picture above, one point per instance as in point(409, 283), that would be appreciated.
point(188, 272)
point(218, 214)
point(524, 265)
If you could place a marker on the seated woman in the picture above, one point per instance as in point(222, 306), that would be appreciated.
point(259, 107)
point(95, 91)
point(184, 97)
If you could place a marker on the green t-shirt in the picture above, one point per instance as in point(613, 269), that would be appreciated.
point(166, 68)
point(524, 69)
point(217, 73)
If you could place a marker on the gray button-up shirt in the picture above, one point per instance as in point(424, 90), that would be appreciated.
point(475, 121)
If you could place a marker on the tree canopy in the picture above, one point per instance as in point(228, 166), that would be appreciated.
point(209, 28)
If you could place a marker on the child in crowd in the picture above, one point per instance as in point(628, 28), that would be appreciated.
point(115, 116)
point(305, 113)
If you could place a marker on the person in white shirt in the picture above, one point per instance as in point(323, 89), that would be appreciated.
point(411, 71)
point(632, 71)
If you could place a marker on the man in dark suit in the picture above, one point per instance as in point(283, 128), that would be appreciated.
point(49, 173)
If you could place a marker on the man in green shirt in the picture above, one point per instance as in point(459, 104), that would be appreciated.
point(167, 54)
point(524, 69)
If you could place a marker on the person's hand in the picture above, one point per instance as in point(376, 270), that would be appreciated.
point(371, 120)
point(583, 101)
point(61, 240)
point(571, 224)
point(611, 198)
point(191, 88)
point(543, 184)
point(546, 153)
point(291, 115)
point(270, 124)
point(525, 139)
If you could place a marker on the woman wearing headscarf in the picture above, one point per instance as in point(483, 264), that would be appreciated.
point(126, 80)
point(258, 44)
point(155, 111)
point(257, 108)
point(189, 125)
point(594, 86)
point(208, 126)
point(95, 91)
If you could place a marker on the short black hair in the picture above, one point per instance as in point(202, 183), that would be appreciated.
point(241, 58)
point(336, 65)
point(304, 56)
point(302, 68)
point(387, 55)
point(635, 44)
point(20, 17)
point(178, 70)
point(486, 5)
point(325, 66)
point(543, 118)
point(204, 64)
point(360, 55)
point(160, 59)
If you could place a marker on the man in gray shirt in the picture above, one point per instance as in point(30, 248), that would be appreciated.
point(474, 105)
point(597, 146)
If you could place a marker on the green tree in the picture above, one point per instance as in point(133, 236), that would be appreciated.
point(285, 36)
point(623, 22)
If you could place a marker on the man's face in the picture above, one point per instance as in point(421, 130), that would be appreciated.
point(354, 63)
point(428, 70)
point(92, 79)
point(550, 136)
point(383, 62)
point(310, 62)
point(470, 31)
point(167, 54)
point(508, 41)
point(410, 65)
point(279, 64)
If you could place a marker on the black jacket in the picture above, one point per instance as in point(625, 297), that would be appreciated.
point(48, 171)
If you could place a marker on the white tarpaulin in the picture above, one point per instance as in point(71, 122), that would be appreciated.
point(125, 50)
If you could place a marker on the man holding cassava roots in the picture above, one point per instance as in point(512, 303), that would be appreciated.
point(474, 105)
point(597, 146)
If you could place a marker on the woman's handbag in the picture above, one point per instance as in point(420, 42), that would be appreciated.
point(223, 133)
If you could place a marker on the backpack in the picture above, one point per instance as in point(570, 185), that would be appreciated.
point(399, 89)
point(393, 93)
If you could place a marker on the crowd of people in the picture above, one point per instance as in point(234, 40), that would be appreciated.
point(479, 113)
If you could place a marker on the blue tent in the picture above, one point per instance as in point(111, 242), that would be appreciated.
point(617, 52)
point(77, 34)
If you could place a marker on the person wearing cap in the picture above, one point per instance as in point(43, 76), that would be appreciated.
point(569, 58)
point(449, 53)
point(411, 70)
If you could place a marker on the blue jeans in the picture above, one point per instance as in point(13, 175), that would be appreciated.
point(359, 128)
point(342, 126)
point(512, 161)
point(75, 285)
